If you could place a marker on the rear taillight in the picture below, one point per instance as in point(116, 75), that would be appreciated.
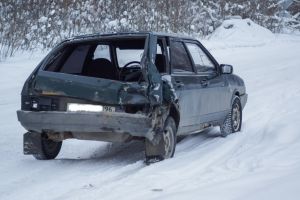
point(26, 102)
point(39, 103)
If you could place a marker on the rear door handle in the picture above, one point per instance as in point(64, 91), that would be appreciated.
point(179, 84)
point(204, 83)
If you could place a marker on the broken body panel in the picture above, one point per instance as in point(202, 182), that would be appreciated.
point(52, 92)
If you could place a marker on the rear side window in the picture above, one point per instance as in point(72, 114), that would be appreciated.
point(201, 60)
point(74, 63)
point(180, 60)
point(68, 60)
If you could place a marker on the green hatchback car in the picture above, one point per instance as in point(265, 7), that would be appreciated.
point(125, 86)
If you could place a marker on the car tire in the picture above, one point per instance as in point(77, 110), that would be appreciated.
point(233, 121)
point(49, 149)
point(166, 146)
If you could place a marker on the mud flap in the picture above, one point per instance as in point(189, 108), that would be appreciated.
point(154, 150)
point(32, 143)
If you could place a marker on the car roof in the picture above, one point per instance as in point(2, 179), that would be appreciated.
point(138, 33)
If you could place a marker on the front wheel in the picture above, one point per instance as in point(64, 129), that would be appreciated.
point(233, 121)
point(166, 147)
point(49, 149)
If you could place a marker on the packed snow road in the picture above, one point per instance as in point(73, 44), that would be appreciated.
point(260, 162)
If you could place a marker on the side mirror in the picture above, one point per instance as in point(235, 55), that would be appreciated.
point(226, 69)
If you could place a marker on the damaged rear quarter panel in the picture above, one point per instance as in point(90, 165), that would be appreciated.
point(113, 92)
point(104, 90)
point(89, 88)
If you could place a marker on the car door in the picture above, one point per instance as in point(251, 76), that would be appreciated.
point(150, 71)
point(185, 83)
point(214, 95)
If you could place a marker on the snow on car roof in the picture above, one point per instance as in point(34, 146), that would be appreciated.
point(96, 35)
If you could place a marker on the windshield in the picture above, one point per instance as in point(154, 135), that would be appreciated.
point(125, 56)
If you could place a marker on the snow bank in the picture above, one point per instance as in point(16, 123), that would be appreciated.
point(241, 33)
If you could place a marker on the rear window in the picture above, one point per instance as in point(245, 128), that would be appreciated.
point(100, 59)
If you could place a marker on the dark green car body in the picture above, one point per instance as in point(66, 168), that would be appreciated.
point(195, 99)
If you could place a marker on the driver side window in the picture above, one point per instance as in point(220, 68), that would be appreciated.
point(201, 60)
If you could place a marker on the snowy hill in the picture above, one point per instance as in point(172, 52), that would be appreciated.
point(260, 162)
point(241, 32)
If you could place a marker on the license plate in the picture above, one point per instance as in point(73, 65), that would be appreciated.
point(75, 107)
point(109, 109)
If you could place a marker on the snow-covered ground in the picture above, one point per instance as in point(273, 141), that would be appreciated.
point(260, 162)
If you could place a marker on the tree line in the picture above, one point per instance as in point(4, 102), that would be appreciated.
point(26, 25)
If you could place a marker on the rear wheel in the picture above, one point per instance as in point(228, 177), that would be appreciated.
point(49, 149)
point(233, 121)
point(166, 147)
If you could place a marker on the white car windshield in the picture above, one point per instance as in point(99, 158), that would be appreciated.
point(125, 56)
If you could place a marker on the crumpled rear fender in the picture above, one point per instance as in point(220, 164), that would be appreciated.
point(138, 125)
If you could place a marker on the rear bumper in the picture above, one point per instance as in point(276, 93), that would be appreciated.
point(84, 122)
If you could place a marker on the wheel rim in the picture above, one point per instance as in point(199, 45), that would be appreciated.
point(168, 142)
point(236, 117)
